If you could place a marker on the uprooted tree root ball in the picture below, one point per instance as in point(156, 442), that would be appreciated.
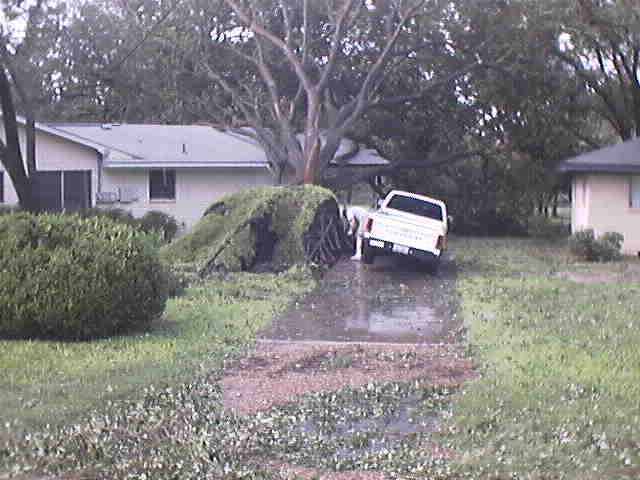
point(267, 228)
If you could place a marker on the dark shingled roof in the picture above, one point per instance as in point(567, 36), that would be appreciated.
point(620, 158)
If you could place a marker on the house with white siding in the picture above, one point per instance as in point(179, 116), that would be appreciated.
point(605, 192)
point(177, 169)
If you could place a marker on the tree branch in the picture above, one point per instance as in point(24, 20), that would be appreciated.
point(288, 30)
point(338, 177)
point(616, 115)
point(335, 47)
point(365, 90)
point(269, 80)
point(146, 36)
point(233, 92)
point(389, 101)
point(258, 29)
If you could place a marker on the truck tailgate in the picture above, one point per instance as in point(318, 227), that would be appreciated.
point(420, 233)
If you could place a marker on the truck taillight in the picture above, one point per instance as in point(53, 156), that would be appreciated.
point(442, 242)
point(368, 225)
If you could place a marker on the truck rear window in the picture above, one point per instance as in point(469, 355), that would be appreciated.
point(416, 207)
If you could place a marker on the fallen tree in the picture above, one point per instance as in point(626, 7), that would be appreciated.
point(264, 229)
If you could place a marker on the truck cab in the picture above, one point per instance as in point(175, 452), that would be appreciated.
point(407, 224)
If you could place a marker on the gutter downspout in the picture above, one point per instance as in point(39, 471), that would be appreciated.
point(100, 156)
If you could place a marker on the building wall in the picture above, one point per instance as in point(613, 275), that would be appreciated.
point(54, 153)
point(580, 195)
point(196, 189)
point(607, 208)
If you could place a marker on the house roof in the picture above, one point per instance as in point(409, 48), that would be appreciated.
point(51, 130)
point(620, 158)
point(175, 146)
point(171, 146)
point(363, 157)
point(366, 157)
point(144, 145)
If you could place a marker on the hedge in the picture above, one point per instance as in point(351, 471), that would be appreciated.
point(67, 277)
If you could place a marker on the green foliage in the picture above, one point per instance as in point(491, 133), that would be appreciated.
point(233, 230)
point(154, 222)
point(611, 245)
point(338, 431)
point(558, 390)
point(117, 214)
point(586, 246)
point(7, 209)
point(74, 278)
point(543, 227)
point(199, 328)
point(159, 222)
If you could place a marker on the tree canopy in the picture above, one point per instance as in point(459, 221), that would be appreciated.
point(503, 85)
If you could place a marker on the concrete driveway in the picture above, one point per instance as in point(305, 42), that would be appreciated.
point(395, 300)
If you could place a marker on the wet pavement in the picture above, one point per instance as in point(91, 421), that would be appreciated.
point(369, 357)
point(396, 300)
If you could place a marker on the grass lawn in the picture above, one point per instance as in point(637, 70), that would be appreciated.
point(559, 391)
point(52, 382)
point(558, 395)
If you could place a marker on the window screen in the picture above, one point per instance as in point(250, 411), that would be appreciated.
point(47, 190)
point(416, 207)
point(634, 197)
point(77, 190)
point(162, 184)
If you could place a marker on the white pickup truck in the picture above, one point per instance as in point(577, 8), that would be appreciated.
point(406, 224)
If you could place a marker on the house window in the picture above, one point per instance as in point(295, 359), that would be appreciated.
point(162, 184)
point(1, 187)
point(634, 191)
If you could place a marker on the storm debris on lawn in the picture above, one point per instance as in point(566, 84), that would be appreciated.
point(295, 472)
point(279, 373)
point(184, 432)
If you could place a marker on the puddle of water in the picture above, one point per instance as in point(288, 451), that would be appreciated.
point(390, 302)
point(375, 434)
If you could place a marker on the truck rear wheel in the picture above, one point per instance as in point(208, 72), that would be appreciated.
point(433, 266)
point(368, 255)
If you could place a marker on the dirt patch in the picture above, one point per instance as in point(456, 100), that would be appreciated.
point(286, 471)
point(591, 278)
point(627, 270)
point(276, 374)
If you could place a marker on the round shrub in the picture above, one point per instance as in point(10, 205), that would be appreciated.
point(584, 245)
point(67, 277)
point(162, 223)
point(154, 222)
point(118, 214)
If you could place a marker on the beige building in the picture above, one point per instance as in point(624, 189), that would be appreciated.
point(605, 192)
point(177, 169)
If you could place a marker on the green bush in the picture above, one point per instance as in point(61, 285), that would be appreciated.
point(609, 246)
point(262, 226)
point(77, 278)
point(162, 223)
point(542, 227)
point(6, 209)
point(586, 246)
point(117, 214)
point(153, 222)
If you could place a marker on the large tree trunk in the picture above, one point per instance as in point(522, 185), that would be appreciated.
point(31, 144)
point(312, 164)
point(10, 153)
